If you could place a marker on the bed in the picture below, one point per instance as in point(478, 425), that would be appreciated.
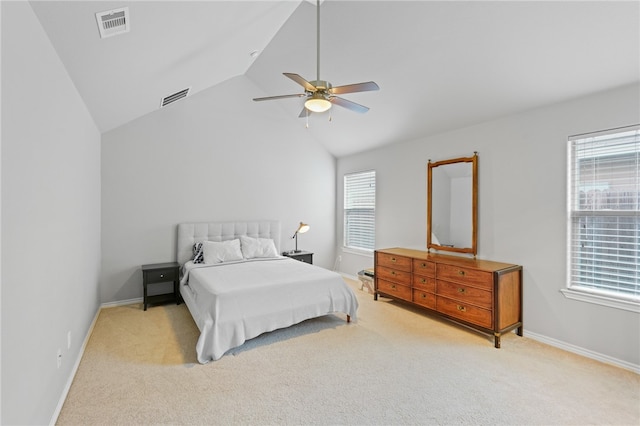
point(237, 286)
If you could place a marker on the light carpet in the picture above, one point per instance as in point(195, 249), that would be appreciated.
point(396, 365)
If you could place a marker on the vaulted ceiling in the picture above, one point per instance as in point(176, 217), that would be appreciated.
point(440, 65)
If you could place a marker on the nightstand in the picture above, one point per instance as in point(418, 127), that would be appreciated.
point(302, 256)
point(160, 273)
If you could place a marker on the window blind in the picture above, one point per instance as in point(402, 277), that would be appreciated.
point(604, 210)
point(359, 210)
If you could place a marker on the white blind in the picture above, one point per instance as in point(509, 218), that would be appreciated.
point(360, 210)
point(605, 212)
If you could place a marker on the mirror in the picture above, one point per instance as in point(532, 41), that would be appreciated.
point(452, 205)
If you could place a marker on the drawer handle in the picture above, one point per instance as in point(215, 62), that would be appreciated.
point(460, 272)
point(161, 275)
point(462, 308)
point(423, 281)
point(393, 273)
point(424, 265)
point(393, 259)
point(423, 295)
point(461, 290)
point(393, 286)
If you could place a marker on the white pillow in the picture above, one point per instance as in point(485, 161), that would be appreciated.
point(218, 252)
point(257, 247)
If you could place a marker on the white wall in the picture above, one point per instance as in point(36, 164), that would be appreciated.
point(522, 210)
point(214, 156)
point(50, 220)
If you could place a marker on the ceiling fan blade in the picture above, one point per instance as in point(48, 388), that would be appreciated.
point(301, 81)
point(304, 113)
point(352, 88)
point(270, 98)
point(348, 104)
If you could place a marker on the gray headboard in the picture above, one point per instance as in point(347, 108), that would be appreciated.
point(190, 233)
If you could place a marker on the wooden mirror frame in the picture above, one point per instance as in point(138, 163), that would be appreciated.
point(474, 204)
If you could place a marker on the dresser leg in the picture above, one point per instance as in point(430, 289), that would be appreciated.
point(496, 340)
point(375, 296)
point(519, 331)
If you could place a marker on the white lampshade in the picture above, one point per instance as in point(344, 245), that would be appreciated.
point(302, 228)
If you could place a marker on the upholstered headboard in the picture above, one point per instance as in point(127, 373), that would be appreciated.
point(190, 233)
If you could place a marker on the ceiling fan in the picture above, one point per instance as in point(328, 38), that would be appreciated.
point(321, 95)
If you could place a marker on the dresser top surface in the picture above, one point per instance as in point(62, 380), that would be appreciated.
point(486, 265)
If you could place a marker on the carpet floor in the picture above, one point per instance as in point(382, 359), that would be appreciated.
point(396, 365)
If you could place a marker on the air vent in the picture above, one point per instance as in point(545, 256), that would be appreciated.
point(113, 22)
point(174, 97)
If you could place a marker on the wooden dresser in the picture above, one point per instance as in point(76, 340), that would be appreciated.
point(482, 294)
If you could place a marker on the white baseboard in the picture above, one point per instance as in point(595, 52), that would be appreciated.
point(74, 370)
point(583, 352)
point(121, 303)
point(351, 277)
point(67, 387)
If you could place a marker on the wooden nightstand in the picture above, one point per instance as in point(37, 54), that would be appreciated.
point(160, 273)
point(302, 256)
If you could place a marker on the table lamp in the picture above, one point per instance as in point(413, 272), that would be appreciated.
point(301, 230)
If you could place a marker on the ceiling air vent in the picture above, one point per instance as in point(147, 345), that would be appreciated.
point(113, 22)
point(174, 97)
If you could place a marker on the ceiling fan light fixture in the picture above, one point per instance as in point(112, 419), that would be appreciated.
point(317, 103)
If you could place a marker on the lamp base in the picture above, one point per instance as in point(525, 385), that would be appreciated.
point(285, 253)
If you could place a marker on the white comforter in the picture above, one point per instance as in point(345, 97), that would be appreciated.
point(234, 302)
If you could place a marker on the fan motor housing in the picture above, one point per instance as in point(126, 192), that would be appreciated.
point(321, 84)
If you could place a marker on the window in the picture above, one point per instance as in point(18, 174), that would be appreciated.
point(360, 210)
point(604, 216)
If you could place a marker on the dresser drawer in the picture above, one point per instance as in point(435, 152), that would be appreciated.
point(424, 267)
point(458, 274)
point(160, 275)
point(465, 294)
point(394, 289)
point(400, 263)
point(424, 283)
point(424, 298)
point(465, 312)
point(394, 275)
